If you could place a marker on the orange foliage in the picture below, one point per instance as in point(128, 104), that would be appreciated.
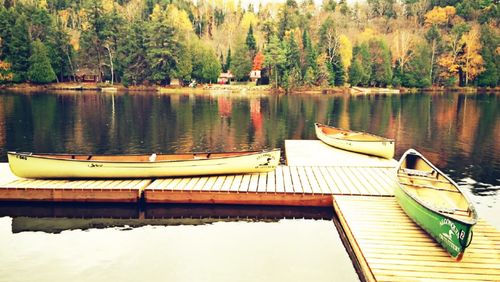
point(5, 74)
point(258, 61)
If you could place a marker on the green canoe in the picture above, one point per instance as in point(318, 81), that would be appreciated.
point(435, 202)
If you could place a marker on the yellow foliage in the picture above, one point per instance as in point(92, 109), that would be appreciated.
point(471, 59)
point(64, 17)
point(157, 14)
point(107, 5)
point(449, 64)
point(179, 19)
point(345, 51)
point(368, 34)
point(248, 18)
point(439, 15)
point(42, 4)
point(74, 39)
point(4, 65)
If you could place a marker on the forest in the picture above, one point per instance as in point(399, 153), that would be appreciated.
point(372, 43)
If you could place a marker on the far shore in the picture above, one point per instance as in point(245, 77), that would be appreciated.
point(236, 88)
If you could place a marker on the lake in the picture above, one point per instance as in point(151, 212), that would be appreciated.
point(457, 132)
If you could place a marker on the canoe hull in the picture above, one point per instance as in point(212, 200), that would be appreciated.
point(452, 234)
point(28, 166)
point(383, 148)
point(435, 202)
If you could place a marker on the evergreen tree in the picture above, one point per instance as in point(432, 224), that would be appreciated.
point(7, 21)
point(490, 41)
point(227, 66)
point(162, 47)
point(293, 55)
point(251, 43)
point(132, 57)
point(60, 51)
point(211, 68)
point(310, 54)
point(40, 70)
point(184, 66)
point(241, 65)
point(338, 70)
point(275, 57)
point(356, 74)
point(19, 47)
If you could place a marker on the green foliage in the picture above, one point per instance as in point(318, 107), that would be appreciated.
point(131, 57)
point(381, 73)
point(292, 54)
point(19, 48)
point(162, 47)
point(241, 64)
point(361, 66)
point(490, 41)
point(250, 42)
point(275, 57)
point(415, 74)
point(227, 66)
point(206, 66)
point(40, 70)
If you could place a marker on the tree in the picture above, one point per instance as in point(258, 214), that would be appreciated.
point(250, 42)
point(292, 53)
point(211, 67)
point(40, 70)
point(227, 67)
point(241, 65)
point(275, 56)
point(162, 46)
point(258, 61)
point(381, 73)
point(132, 56)
point(361, 66)
point(470, 60)
point(490, 40)
point(433, 37)
point(310, 54)
point(19, 47)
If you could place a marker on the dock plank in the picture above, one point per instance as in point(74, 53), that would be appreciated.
point(280, 184)
point(271, 182)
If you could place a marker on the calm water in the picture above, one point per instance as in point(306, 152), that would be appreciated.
point(459, 133)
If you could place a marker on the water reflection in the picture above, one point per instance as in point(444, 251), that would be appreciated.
point(457, 132)
point(57, 217)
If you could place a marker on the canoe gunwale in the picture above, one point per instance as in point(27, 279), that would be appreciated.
point(48, 156)
point(431, 208)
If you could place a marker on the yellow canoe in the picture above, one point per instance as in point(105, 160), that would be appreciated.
point(50, 166)
point(355, 141)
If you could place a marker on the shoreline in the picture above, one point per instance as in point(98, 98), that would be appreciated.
point(241, 88)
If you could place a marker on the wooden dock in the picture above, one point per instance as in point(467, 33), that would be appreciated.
point(388, 246)
point(383, 242)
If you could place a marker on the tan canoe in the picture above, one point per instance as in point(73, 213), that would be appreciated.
point(141, 166)
point(355, 141)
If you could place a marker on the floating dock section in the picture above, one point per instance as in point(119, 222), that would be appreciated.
point(388, 246)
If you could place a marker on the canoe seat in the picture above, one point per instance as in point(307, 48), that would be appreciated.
point(152, 158)
point(417, 172)
point(421, 178)
point(430, 187)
